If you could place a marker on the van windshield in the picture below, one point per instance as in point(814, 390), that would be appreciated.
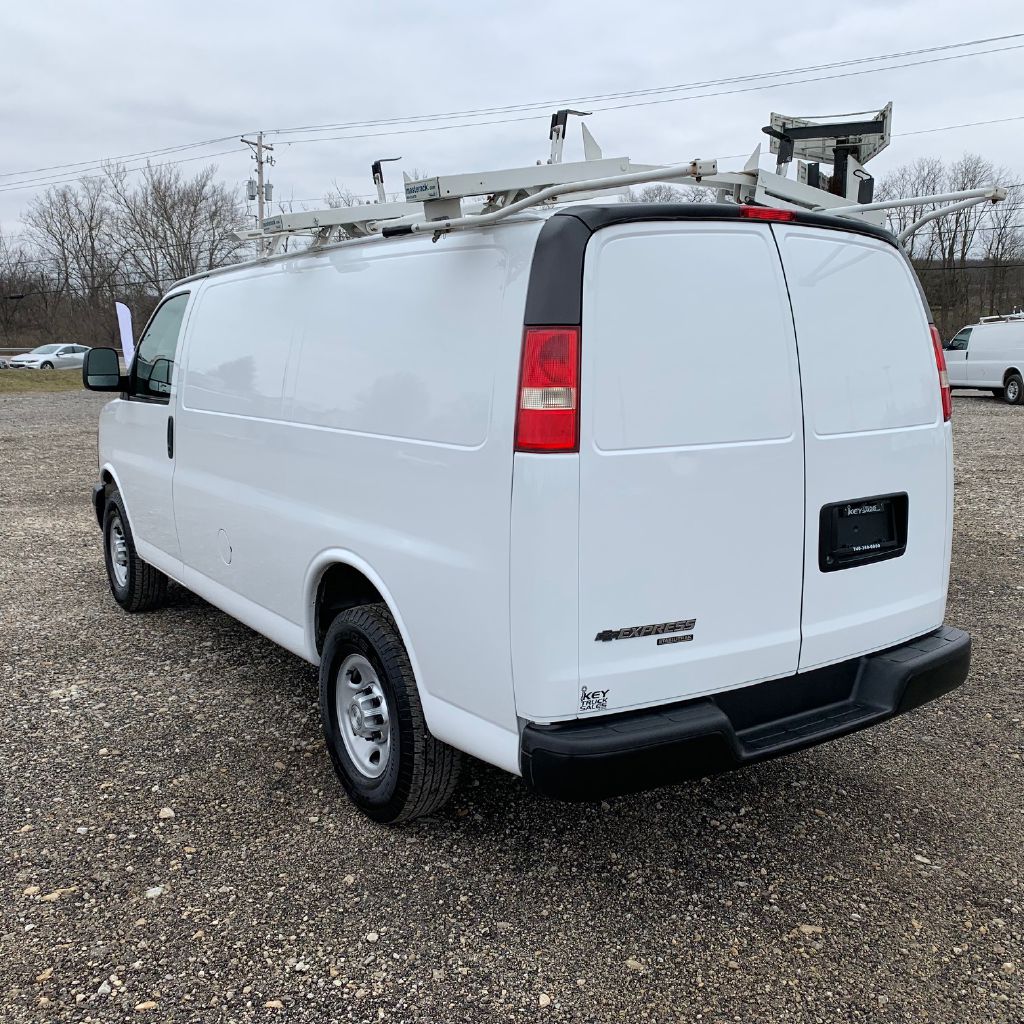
point(961, 340)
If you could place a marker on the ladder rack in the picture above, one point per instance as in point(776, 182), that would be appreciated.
point(1002, 317)
point(436, 204)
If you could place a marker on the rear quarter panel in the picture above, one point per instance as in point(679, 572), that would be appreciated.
point(363, 400)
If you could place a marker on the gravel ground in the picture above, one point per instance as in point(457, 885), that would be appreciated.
point(877, 878)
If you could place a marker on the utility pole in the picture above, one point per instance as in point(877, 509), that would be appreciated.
point(257, 189)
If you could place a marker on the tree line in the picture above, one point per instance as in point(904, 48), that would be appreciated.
point(971, 263)
point(107, 238)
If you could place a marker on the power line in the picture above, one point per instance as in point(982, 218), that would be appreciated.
point(653, 102)
point(123, 156)
point(43, 183)
point(966, 124)
point(548, 104)
point(85, 166)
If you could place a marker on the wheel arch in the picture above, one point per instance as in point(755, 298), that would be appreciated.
point(1010, 372)
point(364, 583)
point(109, 478)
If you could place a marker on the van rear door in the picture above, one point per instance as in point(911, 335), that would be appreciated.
point(691, 530)
point(878, 451)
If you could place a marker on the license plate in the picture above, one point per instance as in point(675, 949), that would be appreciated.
point(861, 531)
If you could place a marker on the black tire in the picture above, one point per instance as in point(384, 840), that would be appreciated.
point(1013, 391)
point(143, 588)
point(46, 366)
point(998, 392)
point(420, 773)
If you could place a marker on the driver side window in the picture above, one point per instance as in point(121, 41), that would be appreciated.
point(153, 366)
point(961, 340)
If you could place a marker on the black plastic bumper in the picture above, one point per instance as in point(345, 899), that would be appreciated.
point(597, 757)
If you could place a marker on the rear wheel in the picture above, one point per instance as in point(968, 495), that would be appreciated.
point(387, 761)
point(1013, 391)
point(135, 584)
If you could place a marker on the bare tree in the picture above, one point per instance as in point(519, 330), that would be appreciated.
point(968, 261)
point(72, 230)
point(926, 176)
point(662, 192)
point(340, 195)
point(170, 226)
point(1003, 252)
point(73, 226)
point(114, 237)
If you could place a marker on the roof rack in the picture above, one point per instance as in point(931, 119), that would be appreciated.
point(436, 204)
point(1017, 314)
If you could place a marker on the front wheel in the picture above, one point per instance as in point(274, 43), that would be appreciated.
point(387, 761)
point(46, 366)
point(1013, 392)
point(135, 584)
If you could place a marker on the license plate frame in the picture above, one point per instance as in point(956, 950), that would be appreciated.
point(860, 531)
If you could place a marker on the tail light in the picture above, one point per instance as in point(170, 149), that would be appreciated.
point(940, 365)
point(547, 419)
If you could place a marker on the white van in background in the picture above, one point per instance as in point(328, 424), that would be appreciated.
point(609, 497)
point(989, 355)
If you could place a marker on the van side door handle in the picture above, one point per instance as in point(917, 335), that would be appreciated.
point(170, 437)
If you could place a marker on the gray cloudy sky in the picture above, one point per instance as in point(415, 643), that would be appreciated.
point(84, 81)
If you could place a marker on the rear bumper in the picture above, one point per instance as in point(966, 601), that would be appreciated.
point(596, 757)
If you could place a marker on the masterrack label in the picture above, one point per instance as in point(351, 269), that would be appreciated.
point(417, 191)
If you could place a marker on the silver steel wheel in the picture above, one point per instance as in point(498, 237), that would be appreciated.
point(1012, 391)
point(363, 718)
point(118, 551)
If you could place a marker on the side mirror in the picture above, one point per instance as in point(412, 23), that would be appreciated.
point(101, 371)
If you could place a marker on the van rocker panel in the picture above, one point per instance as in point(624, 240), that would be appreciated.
point(607, 756)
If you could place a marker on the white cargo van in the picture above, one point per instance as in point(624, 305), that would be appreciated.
point(989, 355)
point(609, 497)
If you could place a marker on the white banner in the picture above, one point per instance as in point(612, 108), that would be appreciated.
point(124, 323)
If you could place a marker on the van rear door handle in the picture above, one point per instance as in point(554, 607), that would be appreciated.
point(170, 437)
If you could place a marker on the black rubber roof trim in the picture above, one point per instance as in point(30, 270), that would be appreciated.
point(597, 217)
point(554, 297)
point(555, 294)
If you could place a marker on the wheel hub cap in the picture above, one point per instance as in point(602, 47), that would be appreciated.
point(364, 720)
point(118, 552)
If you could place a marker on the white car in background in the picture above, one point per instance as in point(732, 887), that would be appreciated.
point(50, 357)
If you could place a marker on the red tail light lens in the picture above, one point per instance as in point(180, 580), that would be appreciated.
point(940, 365)
point(766, 213)
point(547, 419)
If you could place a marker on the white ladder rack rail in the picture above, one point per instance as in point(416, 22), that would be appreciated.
point(516, 181)
point(359, 221)
point(955, 201)
point(760, 186)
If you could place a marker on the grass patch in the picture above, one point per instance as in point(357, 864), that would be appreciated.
point(13, 382)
